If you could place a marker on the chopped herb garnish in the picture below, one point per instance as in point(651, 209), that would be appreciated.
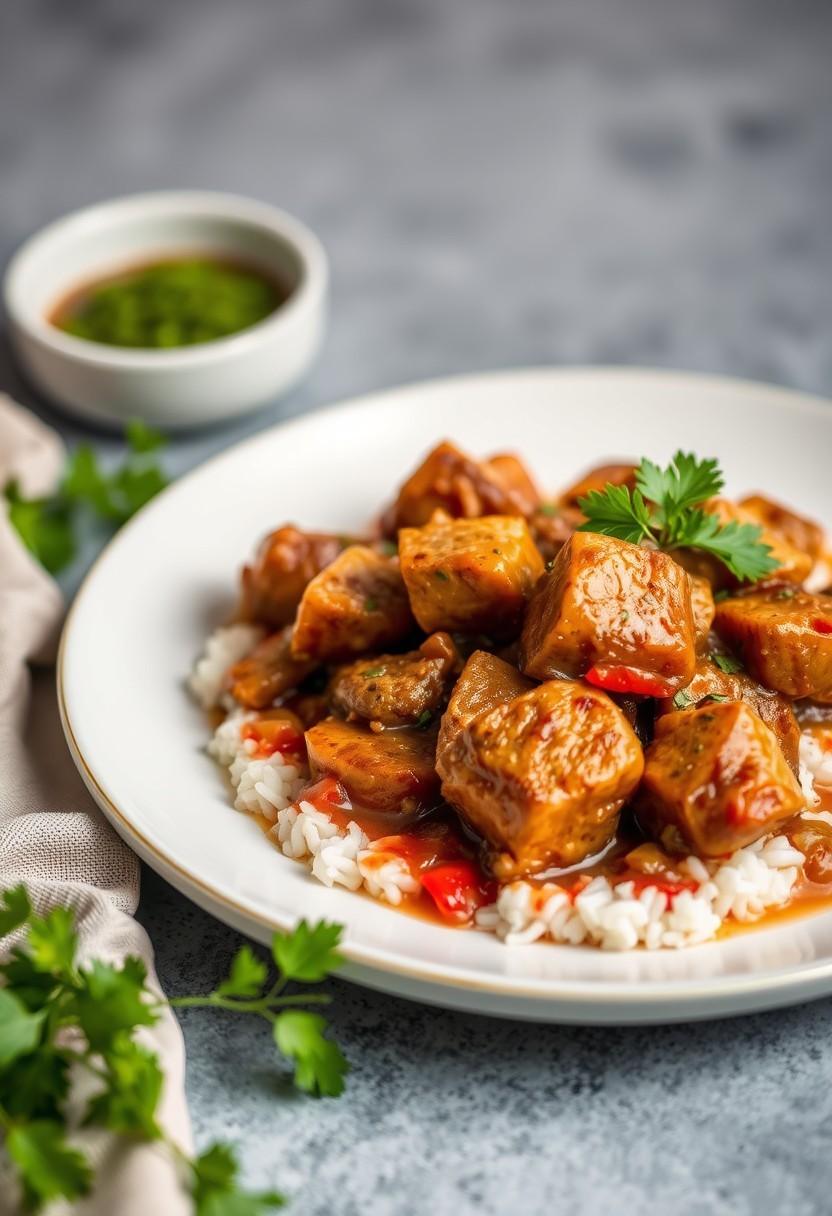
point(548, 508)
point(442, 575)
point(623, 615)
point(425, 718)
point(726, 663)
point(388, 548)
point(682, 699)
point(372, 671)
point(786, 593)
point(371, 604)
point(719, 596)
point(665, 509)
point(716, 696)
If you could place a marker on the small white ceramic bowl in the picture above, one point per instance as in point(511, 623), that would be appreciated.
point(186, 386)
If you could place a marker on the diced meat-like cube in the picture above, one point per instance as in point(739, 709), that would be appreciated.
point(793, 566)
point(784, 638)
point(796, 530)
point(391, 771)
point(398, 689)
point(618, 613)
point(543, 777)
point(551, 526)
point(485, 683)
point(715, 779)
point(517, 480)
point(596, 478)
point(711, 681)
point(470, 575)
point(358, 603)
point(451, 481)
point(285, 562)
point(270, 670)
point(704, 610)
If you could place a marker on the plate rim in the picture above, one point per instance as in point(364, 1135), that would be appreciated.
point(566, 995)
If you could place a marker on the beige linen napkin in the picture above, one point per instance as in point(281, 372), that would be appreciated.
point(54, 840)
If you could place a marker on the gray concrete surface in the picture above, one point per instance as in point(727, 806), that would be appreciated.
point(497, 184)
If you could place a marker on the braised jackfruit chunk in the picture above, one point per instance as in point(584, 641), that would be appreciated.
point(551, 526)
point(449, 480)
point(715, 780)
point(270, 670)
point(618, 613)
point(285, 563)
point(391, 771)
point(704, 609)
point(597, 478)
point(470, 575)
point(710, 680)
point(543, 777)
point(358, 603)
point(485, 683)
point(796, 530)
point(398, 689)
point(784, 638)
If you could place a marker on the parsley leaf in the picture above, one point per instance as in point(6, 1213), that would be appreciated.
point(726, 663)
point(134, 1085)
point(111, 1000)
point(308, 953)
point(617, 512)
point(214, 1187)
point(663, 509)
point(682, 699)
point(141, 438)
point(35, 1085)
point(319, 1064)
point(52, 943)
point(48, 1166)
point(44, 525)
point(14, 909)
point(19, 1028)
point(247, 975)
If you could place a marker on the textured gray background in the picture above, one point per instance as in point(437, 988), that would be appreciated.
point(497, 184)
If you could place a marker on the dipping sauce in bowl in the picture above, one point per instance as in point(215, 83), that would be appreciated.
point(175, 302)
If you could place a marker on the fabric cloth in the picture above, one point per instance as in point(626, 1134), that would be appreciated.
point(55, 840)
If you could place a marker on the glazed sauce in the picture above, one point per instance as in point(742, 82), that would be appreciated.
point(173, 302)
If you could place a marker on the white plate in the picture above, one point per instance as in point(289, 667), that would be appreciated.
point(169, 578)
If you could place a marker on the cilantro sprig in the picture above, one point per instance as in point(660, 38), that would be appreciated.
point(47, 526)
point(665, 509)
point(57, 1016)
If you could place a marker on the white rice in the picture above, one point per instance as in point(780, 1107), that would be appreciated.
point(815, 759)
point(262, 785)
point(225, 646)
point(755, 878)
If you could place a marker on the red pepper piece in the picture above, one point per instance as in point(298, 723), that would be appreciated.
point(273, 735)
point(614, 678)
point(325, 794)
point(821, 625)
point(459, 888)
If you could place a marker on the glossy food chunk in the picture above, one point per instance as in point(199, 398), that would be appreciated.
point(398, 689)
point(543, 777)
point(704, 610)
point(357, 603)
point(449, 480)
point(485, 683)
point(285, 562)
point(390, 771)
point(618, 613)
point(796, 530)
point(784, 637)
point(470, 575)
point(596, 478)
point(710, 680)
point(715, 779)
point(517, 480)
point(270, 670)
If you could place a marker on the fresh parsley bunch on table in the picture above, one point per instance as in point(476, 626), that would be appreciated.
point(56, 1016)
point(665, 507)
point(47, 526)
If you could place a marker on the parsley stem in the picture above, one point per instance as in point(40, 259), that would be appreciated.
point(258, 1004)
